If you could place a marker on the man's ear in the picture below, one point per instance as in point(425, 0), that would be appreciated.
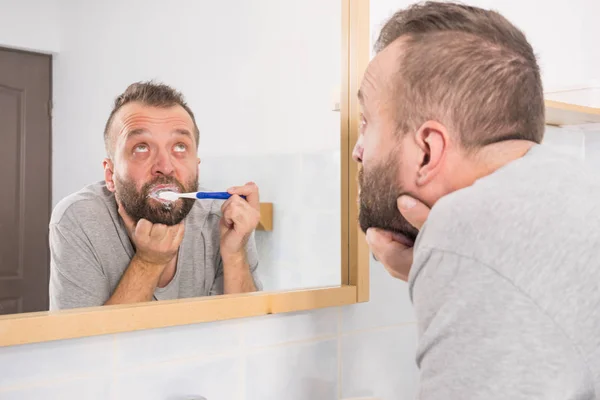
point(432, 138)
point(108, 166)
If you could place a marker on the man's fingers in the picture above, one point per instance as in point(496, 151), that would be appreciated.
point(158, 231)
point(243, 215)
point(414, 211)
point(143, 227)
point(379, 241)
point(250, 190)
point(375, 236)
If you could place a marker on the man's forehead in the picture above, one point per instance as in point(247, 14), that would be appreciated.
point(137, 113)
point(381, 69)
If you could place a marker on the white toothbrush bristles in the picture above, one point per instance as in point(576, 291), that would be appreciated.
point(167, 195)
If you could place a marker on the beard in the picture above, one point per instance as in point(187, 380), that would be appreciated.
point(139, 204)
point(379, 192)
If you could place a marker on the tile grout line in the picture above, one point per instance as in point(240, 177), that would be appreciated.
point(314, 339)
point(110, 375)
point(379, 328)
point(47, 382)
point(230, 353)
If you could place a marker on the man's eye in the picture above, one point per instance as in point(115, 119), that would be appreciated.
point(140, 148)
point(180, 148)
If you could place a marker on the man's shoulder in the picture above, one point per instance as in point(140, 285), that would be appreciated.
point(87, 204)
point(529, 199)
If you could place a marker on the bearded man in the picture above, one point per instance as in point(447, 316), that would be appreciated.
point(117, 242)
point(504, 273)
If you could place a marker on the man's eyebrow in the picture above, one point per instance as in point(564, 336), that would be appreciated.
point(135, 132)
point(361, 97)
point(184, 132)
point(142, 131)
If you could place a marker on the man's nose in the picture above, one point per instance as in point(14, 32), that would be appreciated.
point(163, 165)
point(357, 153)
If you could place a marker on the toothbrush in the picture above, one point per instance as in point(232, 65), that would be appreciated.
point(172, 196)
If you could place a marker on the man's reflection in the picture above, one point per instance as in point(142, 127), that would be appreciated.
point(115, 242)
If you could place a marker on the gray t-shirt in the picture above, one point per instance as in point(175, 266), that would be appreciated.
point(90, 250)
point(506, 285)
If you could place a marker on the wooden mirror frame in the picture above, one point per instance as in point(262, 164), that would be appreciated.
point(81, 322)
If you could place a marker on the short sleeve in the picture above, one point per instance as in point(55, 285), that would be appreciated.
point(76, 276)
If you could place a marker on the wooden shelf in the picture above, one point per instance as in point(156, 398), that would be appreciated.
point(266, 217)
point(560, 114)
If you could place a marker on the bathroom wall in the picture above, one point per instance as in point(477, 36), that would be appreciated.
point(361, 351)
point(562, 33)
point(29, 25)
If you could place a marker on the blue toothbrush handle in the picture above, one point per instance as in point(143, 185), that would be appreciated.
point(214, 195)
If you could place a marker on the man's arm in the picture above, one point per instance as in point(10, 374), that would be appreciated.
point(480, 337)
point(237, 248)
point(156, 247)
point(137, 284)
point(237, 277)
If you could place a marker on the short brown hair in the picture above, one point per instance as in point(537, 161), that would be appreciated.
point(468, 68)
point(150, 94)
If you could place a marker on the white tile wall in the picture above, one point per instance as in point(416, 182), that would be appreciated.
point(140, 348)
point(217, 378)
point(26, 365)
point(93, 388)
point(293, 327)
point(380, 363)
point(389, 304)
point(299, 371)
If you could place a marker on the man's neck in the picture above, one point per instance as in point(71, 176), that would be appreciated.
point(489, 159)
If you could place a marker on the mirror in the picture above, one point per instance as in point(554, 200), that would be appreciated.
point(263, 80)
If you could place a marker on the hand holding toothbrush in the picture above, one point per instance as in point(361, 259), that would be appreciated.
point(240, 219)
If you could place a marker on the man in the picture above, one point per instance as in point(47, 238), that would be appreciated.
point(506, 270)
point(115, 242)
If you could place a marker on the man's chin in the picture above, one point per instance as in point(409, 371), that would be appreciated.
point(164, 220)
point(157, 214)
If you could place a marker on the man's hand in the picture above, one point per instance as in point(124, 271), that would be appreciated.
point(396, 256)
point(155, 244)
point(240, 219)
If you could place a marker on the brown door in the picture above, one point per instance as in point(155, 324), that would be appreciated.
point(25, 203)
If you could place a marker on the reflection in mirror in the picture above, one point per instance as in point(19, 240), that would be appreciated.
point(236, 100)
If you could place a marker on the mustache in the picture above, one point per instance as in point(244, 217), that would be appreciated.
point(161, 180)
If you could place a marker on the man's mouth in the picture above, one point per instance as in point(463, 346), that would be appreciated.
point(156, 190)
